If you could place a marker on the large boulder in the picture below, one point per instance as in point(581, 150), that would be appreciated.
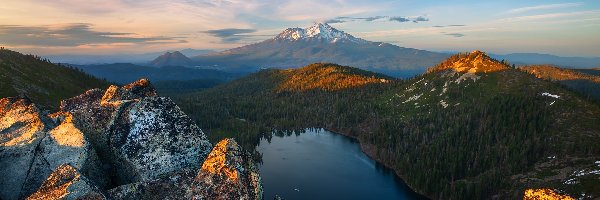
point(140, 135)
point(33, 145)
point(21, 131)
point(227, 173)
point(67, 183)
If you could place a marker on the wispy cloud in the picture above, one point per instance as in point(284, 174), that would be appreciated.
point(454, 34)
point(550, 16)
point(544, 7)
point(451, 25)
point(415, 19)
point(232, 35)
point(71, 35)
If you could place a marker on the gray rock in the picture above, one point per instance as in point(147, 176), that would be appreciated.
point(227, 173)
point(67, 183)
point(21, 131)
point(140, 135)
point(38, 146)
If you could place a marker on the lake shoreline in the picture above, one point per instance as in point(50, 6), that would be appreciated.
point(370, 151)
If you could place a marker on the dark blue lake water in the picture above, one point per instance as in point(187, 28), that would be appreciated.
point(319, 164)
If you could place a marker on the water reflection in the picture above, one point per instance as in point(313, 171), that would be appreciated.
point(318, 164)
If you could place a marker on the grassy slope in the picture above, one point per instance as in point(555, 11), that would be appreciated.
point(44, 83)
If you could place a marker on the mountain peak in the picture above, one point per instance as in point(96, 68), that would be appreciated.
point(317, 32)
point(328, 77)
point(174, 58)
point(474, 62)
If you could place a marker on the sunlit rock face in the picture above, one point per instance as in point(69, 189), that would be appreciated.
point(227, 173)
point(544, 194)
point(67, 183)
point(33, 145)
point(474, 62)
point(62, 144)
point(21, 130)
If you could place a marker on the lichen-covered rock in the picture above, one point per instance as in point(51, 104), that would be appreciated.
point(67, 183)
point(227, 173)
point(155, 137)
point(21, 131)
point(116, 95)
point(177, 185)
point(142, 136)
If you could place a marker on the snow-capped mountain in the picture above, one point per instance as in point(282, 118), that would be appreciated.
point(297, 47)
point(318, 31)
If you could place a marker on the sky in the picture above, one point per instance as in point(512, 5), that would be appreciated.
point(565, 28)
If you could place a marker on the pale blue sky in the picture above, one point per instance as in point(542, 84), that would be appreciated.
point(567, 28)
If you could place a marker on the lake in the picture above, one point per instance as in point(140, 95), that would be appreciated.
point(319, 164)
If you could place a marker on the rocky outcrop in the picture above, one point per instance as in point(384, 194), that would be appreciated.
point(67, 183)
point(227, 173)
point(474, 62)
point(142, 136)
point(33, 145)
point(125, 139)
point(21, 131)
point(543, 194)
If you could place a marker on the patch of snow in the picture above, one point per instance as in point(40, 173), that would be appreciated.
point(552, 102)
point(583, 172)
point(445, 89)
point(551, 157)
point(433, 89)
point(443, 103)
point(318, 31)
point(571, 181)
point(413, 98)
point(597, 163)
point(550, 95)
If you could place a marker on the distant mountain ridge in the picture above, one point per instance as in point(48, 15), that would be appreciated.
point(296, 47)
point(541, 59)
point(175, 58)
point(138, 58)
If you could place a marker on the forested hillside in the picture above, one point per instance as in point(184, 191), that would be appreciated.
point(40, 80)
point(451, 134)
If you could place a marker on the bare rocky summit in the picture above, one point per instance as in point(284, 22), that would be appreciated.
point(474, 62)
point(119, 140)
